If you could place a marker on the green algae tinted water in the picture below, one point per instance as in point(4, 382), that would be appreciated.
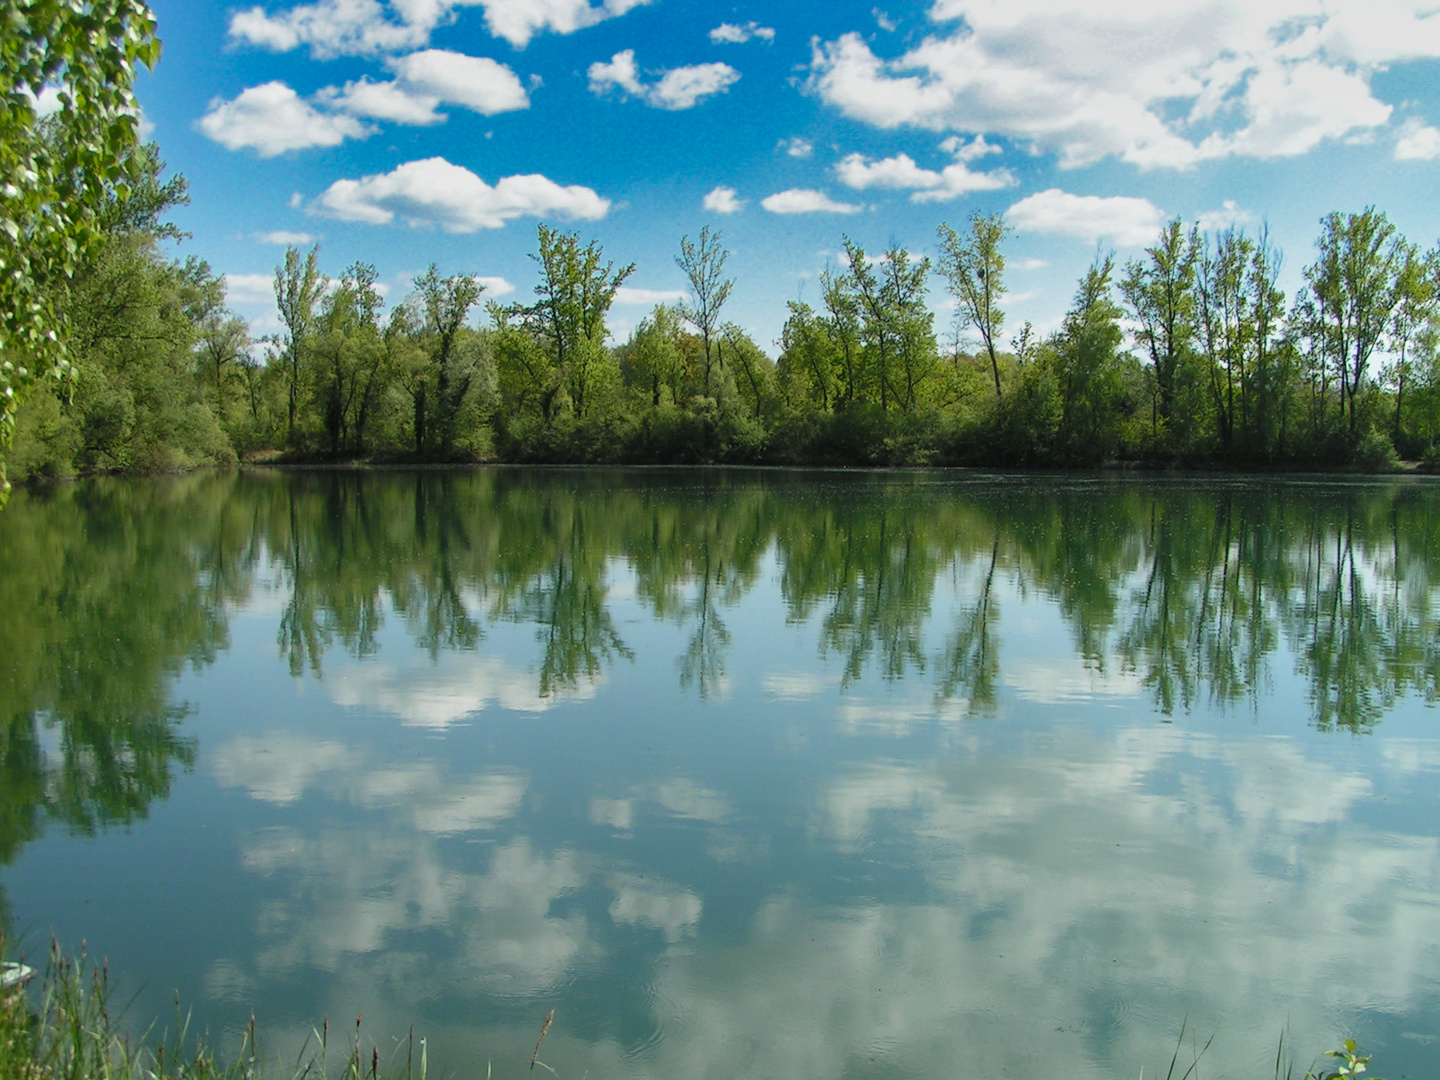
point(743, 774)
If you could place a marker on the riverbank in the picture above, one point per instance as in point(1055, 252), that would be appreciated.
point(64, 1026)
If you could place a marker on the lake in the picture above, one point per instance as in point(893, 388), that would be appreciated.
point(743, 773)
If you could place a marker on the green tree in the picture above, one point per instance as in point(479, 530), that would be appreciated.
point(446, 304)
point(55, 176)
point(1417, 302)
point(975, 268)
point(349, 358)
point(653, 361)
point(1086, 358)
point(573, 297)
point(810, 367)
point(298, 289)
point(1160, 293)
point(704, 266)
point(1352, 286)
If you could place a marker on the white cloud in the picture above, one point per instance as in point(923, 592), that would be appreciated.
point(901, 173)
point(628, 294)
point(1417, 141)
point(433, 192)
point(517, 21)
point(335, 28)
point(796, 146)
point(671, 909)
point(619, 71)
point(285, 238)
point(1159, 87)
point(1030, 264)
point(424, 81)
point(733, 34)
point(369, 27)
point(681, 88)
point(440, 695)
point(722, 200)
point(677, 88)
point(619, 814)
point(792, 685)
point(806, 201)
point(1067, 680)
point(687, 799)
point(482, 804)
point(250, 288)
point(495, 287)
point(1129, 222)
point(384, 101)
point(472, 82)
point(271, 119)
point(1229, 214)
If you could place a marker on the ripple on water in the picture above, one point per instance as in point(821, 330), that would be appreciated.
point(670, 1016)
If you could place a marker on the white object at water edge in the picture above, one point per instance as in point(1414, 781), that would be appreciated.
point(12, 975)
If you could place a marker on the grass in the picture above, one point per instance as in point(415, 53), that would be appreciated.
point(63, 1030)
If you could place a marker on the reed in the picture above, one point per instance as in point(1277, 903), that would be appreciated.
point(64, 1030)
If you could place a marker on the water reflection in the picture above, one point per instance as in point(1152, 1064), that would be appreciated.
point(755, 773)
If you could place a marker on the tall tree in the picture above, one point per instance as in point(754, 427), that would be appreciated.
point(1160, 292)
point(1417, 301)
point(223, 337)
point(1086, 351)
point(446, 303)
point(704, 266)
point(1352, 283)
point(1226, 326)
point(55, 175)
point(975, 268)
point(574, 295)
point(298, 289)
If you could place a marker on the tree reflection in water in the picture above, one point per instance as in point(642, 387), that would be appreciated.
point(1197, 588)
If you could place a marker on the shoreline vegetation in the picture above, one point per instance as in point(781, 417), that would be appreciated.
point(64, 1026)
point(1189, 357)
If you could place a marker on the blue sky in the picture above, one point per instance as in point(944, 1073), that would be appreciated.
point(405, 132)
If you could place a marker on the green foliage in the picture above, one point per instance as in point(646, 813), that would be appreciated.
point(975, 268)
point(157, 345)
point(1216, 367)
point(56, 176)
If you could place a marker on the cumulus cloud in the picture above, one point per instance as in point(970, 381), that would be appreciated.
point(629, 294)
point(517, 21)
point(796, 146)
point(271, 119)
point(332, 28)
point(384, 101)
point(1417, 141)
point(806, 201)
point(901, 173)
point(1157, 87)
point(722, 200)
point(472, 82)
point(495, 287)
point(1124, 220)
point(250, 288)
point(424, 81)
point(285, 238)
point(434, 193)
point(733, 34)
point(677, 88)
point(1229, 214)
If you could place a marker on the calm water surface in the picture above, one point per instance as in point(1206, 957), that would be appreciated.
point(743, 774)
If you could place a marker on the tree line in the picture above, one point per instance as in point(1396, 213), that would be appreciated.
point(1190, 354)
